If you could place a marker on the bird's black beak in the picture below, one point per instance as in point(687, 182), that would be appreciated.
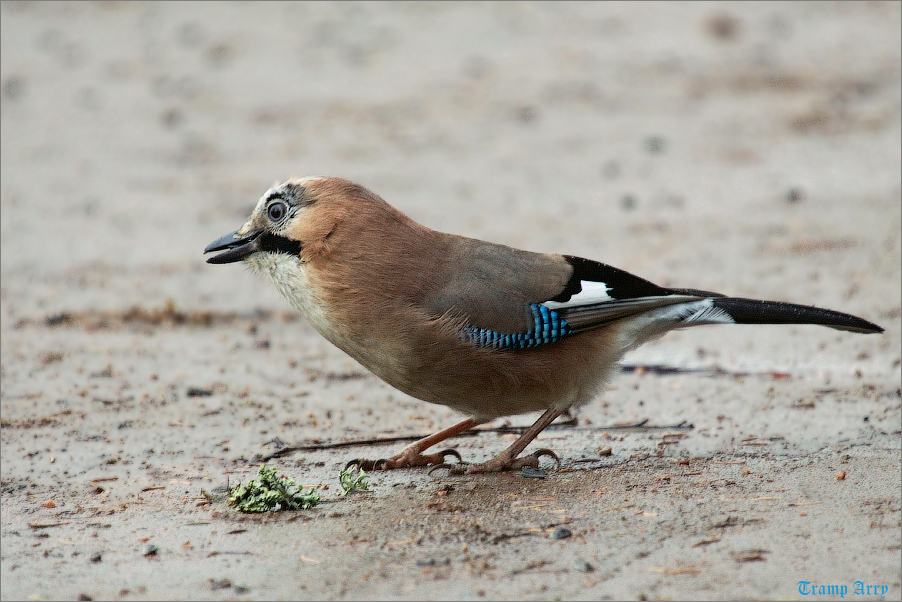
point(235, 247)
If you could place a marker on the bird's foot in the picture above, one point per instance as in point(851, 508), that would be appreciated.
point(499, 463)
point(406, 459)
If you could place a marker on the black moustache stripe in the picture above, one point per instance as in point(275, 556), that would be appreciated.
point(273, 243)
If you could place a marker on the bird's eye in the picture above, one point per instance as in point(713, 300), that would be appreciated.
point(276, 211)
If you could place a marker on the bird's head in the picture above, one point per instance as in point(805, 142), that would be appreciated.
point(293, 218)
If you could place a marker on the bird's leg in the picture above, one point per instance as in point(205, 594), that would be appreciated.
point(508, 460)
point(412, 455)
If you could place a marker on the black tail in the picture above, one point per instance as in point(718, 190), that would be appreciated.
point(750, 311)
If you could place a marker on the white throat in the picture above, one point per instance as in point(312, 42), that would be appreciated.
point(289, 275)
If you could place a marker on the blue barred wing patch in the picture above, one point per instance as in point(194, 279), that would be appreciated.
point(548, 327)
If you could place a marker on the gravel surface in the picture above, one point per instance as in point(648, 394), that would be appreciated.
point(751, 149)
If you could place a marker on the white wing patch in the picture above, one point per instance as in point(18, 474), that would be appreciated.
point(704, 312)
point(654, 323)
point(592, 292)
point(694, 313)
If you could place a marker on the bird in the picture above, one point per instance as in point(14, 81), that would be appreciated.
point(483, 328)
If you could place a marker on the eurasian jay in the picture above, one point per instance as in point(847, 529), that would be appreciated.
point(483, 328)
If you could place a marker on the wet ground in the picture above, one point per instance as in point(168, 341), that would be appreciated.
point(748, 149)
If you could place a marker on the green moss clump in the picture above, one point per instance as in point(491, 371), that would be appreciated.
point(352, 481)
point(269, 493)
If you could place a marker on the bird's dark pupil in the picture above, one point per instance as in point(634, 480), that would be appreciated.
point(276, 211)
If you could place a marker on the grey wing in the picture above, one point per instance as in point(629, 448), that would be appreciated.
point(513, 299)
point(493, 286)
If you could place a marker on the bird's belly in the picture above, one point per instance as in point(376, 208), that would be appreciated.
point(486, 383)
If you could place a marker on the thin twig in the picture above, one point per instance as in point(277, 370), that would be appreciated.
point(642, 425)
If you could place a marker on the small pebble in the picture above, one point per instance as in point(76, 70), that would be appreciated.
point(561, 533)
point(527, 114)
point(96, 556)
point(151, 550)
point(723, 27)
point(654, 144)
point(434, 562)
point(216, 584)
point(219, 494)
point(795, 195)
point(533, 473)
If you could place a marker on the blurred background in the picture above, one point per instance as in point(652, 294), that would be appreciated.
point(747, 148)
point(672, 140)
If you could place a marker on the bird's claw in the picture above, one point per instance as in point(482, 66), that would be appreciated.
point(364, 464)
point(453, 469)
point(532, 460)
point(405, 461)
point(546, 452)
point(449, 452)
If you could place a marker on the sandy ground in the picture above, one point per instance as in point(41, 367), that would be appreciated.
point(749, 149)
